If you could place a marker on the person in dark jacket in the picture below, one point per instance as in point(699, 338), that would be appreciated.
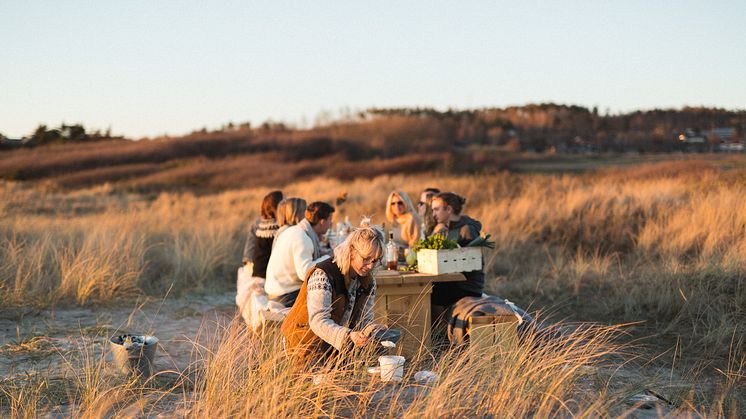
point(463, 229)
point(261, 235)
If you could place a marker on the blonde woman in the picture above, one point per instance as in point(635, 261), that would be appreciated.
point(404, 221)
point(290, 211)
point(335, 302)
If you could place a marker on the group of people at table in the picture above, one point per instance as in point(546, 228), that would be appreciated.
point(331, 292)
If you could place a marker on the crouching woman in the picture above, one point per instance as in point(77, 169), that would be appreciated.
point(335, 301)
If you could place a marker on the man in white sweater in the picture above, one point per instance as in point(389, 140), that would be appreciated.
point(295, 251)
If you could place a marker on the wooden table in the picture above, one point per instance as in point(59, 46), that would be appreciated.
point(403, 302)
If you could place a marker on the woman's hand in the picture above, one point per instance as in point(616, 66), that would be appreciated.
point(440, 228)
point(372, 328)
point(358, 338)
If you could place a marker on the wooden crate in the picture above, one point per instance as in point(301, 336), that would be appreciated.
point(444, 261)
point(493, 332)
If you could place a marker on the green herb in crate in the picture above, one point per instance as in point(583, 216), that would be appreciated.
point(482, 241)
point(435, 242)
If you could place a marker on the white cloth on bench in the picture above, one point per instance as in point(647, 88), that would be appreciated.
point(252, 301)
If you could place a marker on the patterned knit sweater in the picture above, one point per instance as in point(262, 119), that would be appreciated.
point(259, 245)
point(320, 307)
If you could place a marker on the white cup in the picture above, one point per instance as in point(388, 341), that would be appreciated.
point(392, 367)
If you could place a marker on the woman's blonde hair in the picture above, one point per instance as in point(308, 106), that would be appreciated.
point(290, 211)
point(407, 204)
point(368, 241)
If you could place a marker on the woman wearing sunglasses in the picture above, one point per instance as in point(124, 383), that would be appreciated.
point(404, 220)
point(335, 302)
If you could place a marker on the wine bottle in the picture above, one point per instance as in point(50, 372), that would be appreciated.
point(391, 253)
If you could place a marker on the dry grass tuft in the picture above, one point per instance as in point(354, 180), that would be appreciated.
point(250, 378)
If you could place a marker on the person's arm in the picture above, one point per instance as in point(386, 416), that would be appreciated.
point(466, 234)
point(302, 255)
point(319, 302)
point(413, 232)
point(250, 245)
point(471, 233)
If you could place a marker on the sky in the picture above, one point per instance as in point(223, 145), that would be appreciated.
point(151, 68)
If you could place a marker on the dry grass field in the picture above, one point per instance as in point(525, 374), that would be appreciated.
point(654, 256)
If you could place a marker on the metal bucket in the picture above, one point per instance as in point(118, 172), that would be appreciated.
point(391, 335)
point(134, 354)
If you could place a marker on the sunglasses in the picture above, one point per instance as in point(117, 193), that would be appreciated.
point(397, 203)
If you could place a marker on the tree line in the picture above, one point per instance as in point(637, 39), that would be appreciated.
point(44, 135)
point(389, 132)
point(540, 127)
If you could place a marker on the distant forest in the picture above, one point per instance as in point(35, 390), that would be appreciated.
point(546, 127)
point(538, 127)
point(367, 143)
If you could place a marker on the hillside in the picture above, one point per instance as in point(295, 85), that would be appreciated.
point(371, 143)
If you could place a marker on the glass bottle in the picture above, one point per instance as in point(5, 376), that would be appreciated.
point(391, 253)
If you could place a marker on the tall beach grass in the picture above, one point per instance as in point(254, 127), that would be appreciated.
point(663, 246)
point(664, 243)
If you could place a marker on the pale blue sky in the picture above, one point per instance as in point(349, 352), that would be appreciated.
point(146, 68)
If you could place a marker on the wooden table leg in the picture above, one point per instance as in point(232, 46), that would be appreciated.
point(406, 307)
